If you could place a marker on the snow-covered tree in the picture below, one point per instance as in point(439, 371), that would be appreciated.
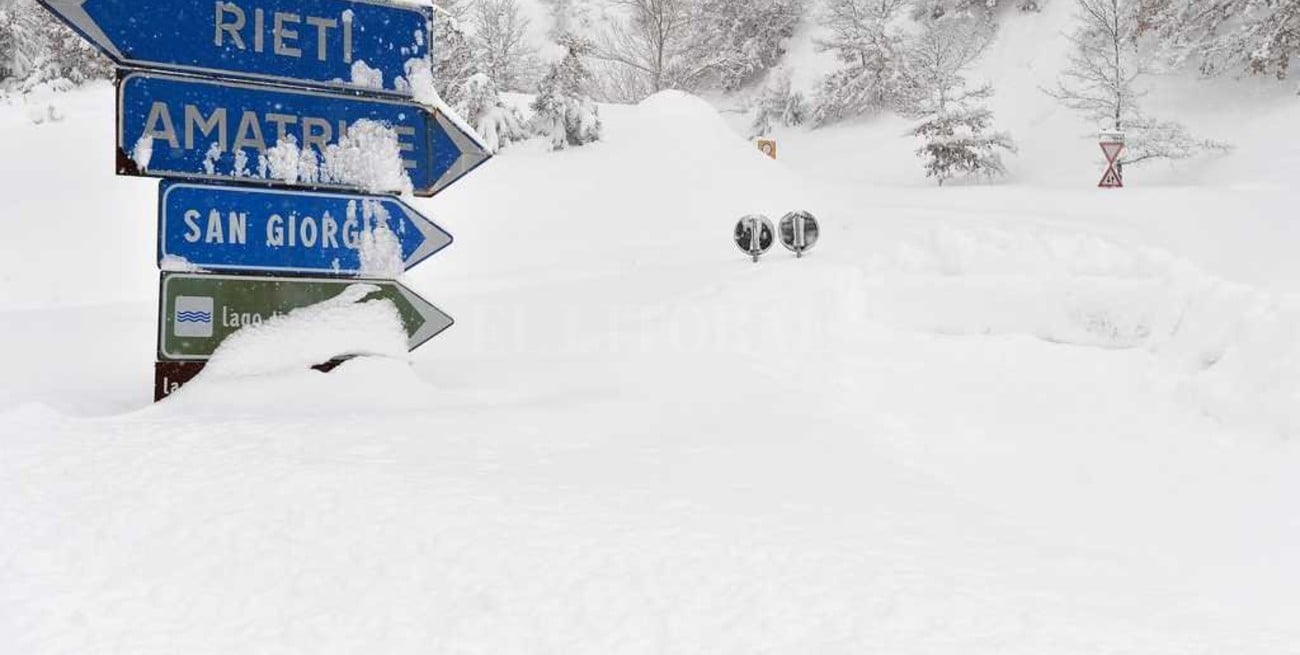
point(956, 127)
point(454, 59)
point(1255, 36)
point(939, 8)
point(564, 110)
point(777, 104)
point(479, 103)
point(745, 37)
point(501, 44)
point(872, 50)
point(35, 47)
point(569, 17)
point(1102, 81)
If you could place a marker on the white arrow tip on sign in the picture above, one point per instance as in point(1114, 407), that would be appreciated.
point(435, 238)
point(435, 321)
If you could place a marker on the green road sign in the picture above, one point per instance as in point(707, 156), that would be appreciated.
point(199, 311)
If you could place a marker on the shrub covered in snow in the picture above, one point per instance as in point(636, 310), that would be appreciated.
point(480, 104)
point(36, 48)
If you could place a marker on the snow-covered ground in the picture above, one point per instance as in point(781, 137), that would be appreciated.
point(1026, 418)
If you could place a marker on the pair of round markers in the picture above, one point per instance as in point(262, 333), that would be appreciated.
point(755, 234)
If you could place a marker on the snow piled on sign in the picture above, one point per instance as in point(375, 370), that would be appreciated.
point(379, 248)
point(344, 326)
point(142, 153)
point(368, 157)
point(365, 76)
point(419, 80)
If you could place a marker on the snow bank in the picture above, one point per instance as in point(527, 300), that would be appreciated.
point(1235, 346)
point(265, 369)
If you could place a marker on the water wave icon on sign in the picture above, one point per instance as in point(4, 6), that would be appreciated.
point(193, 316)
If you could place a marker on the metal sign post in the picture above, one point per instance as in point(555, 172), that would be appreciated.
point(229, 228)
point(187, 128)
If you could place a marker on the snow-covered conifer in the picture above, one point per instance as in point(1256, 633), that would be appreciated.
point(479, 103)
point(871, 48)
point(777, 104)
point(959, 139)
point(957, 128)
point(1102, 82)
point(564, 110)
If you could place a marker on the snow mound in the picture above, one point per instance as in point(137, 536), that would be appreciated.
point(265, 369)
point(346, 325)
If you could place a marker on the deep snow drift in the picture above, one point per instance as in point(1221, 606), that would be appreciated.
point(1007, 430)
point(1005, 419)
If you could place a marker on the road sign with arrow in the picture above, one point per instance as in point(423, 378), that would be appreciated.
point(178, 127)
point(233, 228)
point(340, 44)
point(198, 311)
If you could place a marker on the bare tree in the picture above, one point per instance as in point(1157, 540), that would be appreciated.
point(941, 54)
point(501, 43)
point(653, 49)
point(1101, 82)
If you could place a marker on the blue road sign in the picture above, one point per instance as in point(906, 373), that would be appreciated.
point(327, 43)
point(189, 128)
point(221, 228)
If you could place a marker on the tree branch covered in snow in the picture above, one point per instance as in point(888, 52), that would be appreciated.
point(866, 39)
point(1254, 36)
